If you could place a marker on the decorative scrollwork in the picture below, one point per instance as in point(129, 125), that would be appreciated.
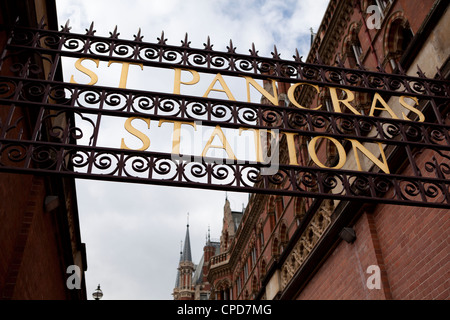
point(44, 157)
point(7, 89)
point(15, 153)
point(65, 127)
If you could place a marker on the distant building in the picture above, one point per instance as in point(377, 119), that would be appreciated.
point(191, 282)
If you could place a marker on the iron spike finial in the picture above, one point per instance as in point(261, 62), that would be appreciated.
point(401, 70)
point(420, 72)
point(66, 27)
point(162, 40)
point(231, 48)
point(380, 68)
point(42, 23)
point(114, 34)
point(186, 42)
point(138, 36)
point(208, 45)
point(253, 51)
point(91, 31)
point(275, 53)
point(297, 56)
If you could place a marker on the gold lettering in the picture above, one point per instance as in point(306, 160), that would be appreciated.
point(315, 158)
point(273, 99)
point(378, 98)
point(358, 146)
point(135, 132)
point(178, 82)
point(124, 73)
point(176, 140)
point(225, 89)
point(292, 97)
point(225, 145)
point(86, 71)
point(337, 102)
point(411, 108)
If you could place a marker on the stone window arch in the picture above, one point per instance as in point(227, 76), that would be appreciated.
point(397, 38)
point(351, 48)
point(299, 208)
point(275, 248)
point(283, 234)
point(263, 270)
point(254, 284)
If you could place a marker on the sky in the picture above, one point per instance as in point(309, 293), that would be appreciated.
point(133, 232)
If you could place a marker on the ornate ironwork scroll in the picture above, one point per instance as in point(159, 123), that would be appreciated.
point(39, 134)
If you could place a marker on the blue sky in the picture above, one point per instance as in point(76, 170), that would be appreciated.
point(133, 232)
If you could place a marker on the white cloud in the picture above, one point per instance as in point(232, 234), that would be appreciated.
point(133, 232)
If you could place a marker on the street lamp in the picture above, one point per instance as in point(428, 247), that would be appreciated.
point(98, 294)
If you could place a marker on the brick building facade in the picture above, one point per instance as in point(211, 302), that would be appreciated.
point(39, 228)
point(299, 248)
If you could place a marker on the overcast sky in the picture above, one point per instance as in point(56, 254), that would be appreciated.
point(133, 232)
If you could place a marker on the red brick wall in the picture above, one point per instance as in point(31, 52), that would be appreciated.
point(343, 275)
point(415, 245)
point(11, 219)
point(30, 260)
point(410, 245)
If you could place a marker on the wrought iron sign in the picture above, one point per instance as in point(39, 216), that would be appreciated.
point(50, 126)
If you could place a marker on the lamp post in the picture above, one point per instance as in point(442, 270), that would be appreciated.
point(98, 294)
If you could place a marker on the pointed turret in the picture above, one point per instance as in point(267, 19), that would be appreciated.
point(184, 289)
point(187, 255)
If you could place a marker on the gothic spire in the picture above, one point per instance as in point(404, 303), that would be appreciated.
point(187, 256)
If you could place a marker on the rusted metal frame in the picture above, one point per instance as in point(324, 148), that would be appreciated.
point(55, 60)
point(277, 66)
point(232, 57)
point(177, 180)
point(308, 133)
point(259, 109)
point(234, 104)
point(321, 82)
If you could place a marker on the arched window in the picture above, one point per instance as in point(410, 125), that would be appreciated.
point(352, 49)
point(279, 207)
point(263, 269)
point(275, 248)
point(283, 237)
point(254, 285)
point(283, 233)
point(299, 208)
point(397, 38)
